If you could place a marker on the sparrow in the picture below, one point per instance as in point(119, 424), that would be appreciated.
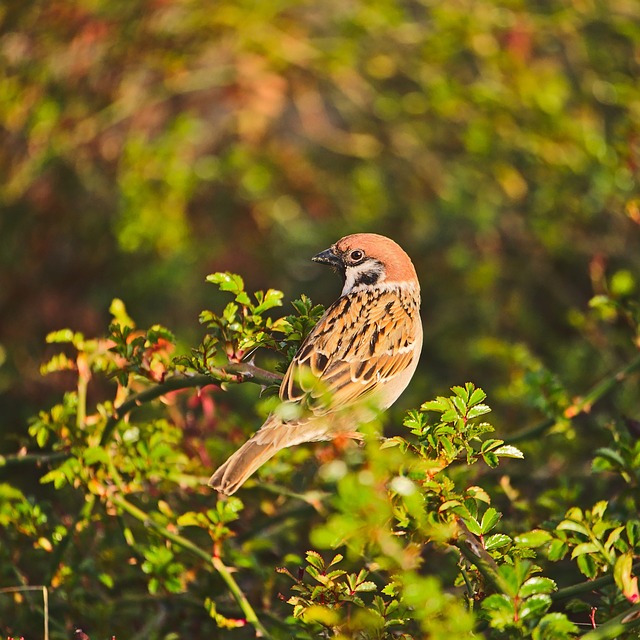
point(362, 352)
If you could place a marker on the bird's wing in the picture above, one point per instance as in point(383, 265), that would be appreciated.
point(364, 339)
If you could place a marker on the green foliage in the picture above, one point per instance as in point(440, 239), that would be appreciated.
point(244, 326)
point(144, 142)
point(428, 547)
point(334, 603)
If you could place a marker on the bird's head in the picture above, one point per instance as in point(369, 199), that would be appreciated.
point(368, 259)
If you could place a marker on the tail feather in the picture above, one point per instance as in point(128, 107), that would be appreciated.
point(236, 470)
point(273, 436)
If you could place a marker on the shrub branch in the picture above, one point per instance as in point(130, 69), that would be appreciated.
point(232, 372)
point(580, 405)
point(211, 561)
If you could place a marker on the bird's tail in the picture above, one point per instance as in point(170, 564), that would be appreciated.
point(273, 436)
point(236, 470)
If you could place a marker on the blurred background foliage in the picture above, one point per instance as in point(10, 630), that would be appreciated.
point(147, 143)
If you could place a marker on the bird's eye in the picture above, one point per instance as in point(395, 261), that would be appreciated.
point(356, 255)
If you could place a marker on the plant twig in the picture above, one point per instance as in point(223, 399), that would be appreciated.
point(37, 459)
point(588, 585)
point(471, 548)
point(580, 405)
point(45, 602)
point(616, 627)
point(212, 560)
point(232, 372)
point(59, 550)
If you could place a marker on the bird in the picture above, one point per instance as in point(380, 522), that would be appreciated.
point(359, 357)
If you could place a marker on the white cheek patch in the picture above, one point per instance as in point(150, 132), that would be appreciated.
point(363, 275)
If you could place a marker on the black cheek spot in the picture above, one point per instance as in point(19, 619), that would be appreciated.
point(367, 278)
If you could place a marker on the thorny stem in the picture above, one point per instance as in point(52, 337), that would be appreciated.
point(232, 372)
point(471, 548)
point(213, 561)
point(580, 405)
point(616, 627)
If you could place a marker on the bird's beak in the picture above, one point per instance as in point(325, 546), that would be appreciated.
point(328, 257)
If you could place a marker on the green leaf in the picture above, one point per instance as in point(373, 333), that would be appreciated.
point(243, 299)
point(535, 606)
point(584, 547)
point(94, 455)
point(460, 406)
point(554, 626)
point(489, 444)
point(489, 520)
point(537, 585)
point(558, 549)
point(461, 393)
point(119, 312)
point(227, 281)
point(272, 298)
point(478, 493)
point(60, 336)
point(336, 559)
point(496, 541)
point(190, 519)
point(509, 451)
point(498, 602)
point(315, 560)
point(587, 565)
point(625, 581)
point(477, 396)
point(491, 459)
point(469, 520)
point(478, 410)
point(511, 579)
point(533, 539)
point(612, 456)
point(439, 405)
point(107, 580)
point(598, 510)
point(572, 525)
point(613, 537)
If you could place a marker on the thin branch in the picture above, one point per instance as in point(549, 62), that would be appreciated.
point(212, 561)
point(232, 372)
point(59, 550)
point(37, 459)
point(616, 627)
point(588, 585)
point(471, 548)
point(45, 601)
point(581, 405)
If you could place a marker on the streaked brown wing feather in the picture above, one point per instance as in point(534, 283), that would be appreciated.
point(363, 339)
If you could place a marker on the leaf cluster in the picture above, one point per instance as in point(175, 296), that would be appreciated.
point(424, 538)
